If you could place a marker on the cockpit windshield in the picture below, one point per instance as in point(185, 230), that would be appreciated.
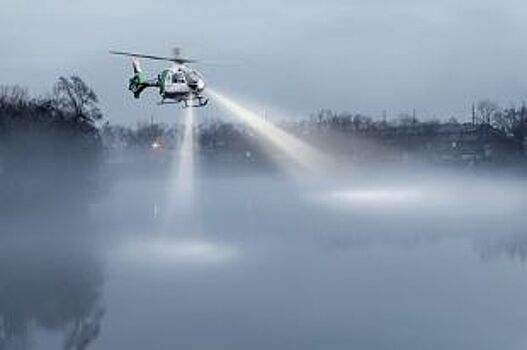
point(178, 77)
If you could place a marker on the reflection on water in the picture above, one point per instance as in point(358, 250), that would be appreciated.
point(51, 281)
point(49, 286)
point(512, 247)
point(367, 262)
point(55, 290)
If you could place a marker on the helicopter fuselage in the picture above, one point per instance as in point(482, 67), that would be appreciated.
point(181, 84)
point(177, 84)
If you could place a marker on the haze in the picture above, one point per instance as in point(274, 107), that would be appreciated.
point(249, 223)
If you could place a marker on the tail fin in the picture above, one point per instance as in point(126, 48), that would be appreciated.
point(136, 66)
point(138, 81)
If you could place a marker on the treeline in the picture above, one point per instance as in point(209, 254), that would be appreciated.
point(492, 134)
point(510, 122)
point(60, 125)
point(71, 105)
point(66, 117)
point(217, 142)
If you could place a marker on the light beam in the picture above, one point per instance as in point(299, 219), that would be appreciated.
point(186, 165)
point(180, 201)
point(300, 152)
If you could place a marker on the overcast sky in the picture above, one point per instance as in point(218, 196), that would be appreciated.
point(297, 55)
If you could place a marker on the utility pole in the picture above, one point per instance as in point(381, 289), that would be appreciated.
point(473, 114)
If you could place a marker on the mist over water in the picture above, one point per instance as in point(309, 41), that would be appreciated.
point(371, 196)
point(370, 257)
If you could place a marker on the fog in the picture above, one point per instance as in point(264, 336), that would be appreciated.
point(361, 257)
point(356, 181)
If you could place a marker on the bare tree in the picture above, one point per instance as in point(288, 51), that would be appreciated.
point(77, 99)
point(506, 120)
point(13, 96)
point(362, 122)
point(407, 120)
point(486, 110)
point(85, 331)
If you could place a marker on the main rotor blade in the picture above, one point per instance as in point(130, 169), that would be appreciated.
point(131, 54)
point(151, 57)
point(221, 62)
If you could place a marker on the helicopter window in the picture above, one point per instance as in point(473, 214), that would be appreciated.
point(178, 77)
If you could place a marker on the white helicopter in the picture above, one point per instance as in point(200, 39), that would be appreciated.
point(176, 84)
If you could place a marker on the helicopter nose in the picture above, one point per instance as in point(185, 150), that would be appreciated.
point(201, 84)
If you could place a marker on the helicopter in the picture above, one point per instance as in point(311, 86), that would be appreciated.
point(177, 83)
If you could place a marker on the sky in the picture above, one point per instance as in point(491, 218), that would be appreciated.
point(297, 56)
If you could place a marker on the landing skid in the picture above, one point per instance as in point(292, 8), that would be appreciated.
point(194, 103)
point(200, 102)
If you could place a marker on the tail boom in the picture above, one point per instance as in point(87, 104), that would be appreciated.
point(138, 81)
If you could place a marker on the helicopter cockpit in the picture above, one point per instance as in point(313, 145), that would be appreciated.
point(179, 77)
point(194, 80)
